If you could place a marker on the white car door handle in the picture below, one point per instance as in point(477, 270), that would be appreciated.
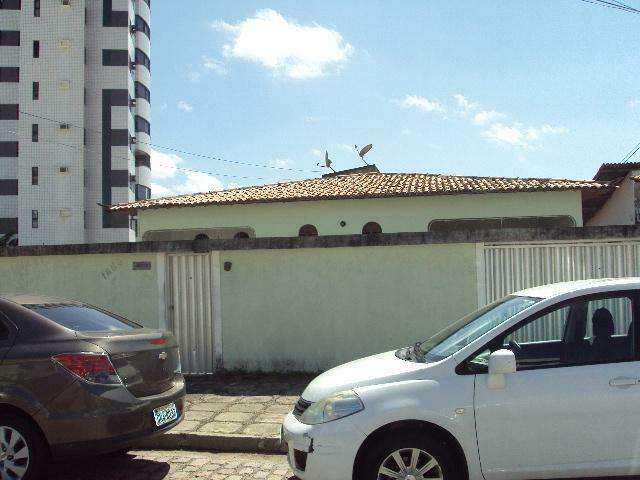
point(623, 382)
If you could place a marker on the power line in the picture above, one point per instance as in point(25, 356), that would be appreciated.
point(183, 169)
point(631, 153)
point(180, 151)
point(611, 4)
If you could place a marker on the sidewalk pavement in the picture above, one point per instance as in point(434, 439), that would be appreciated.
point(234, 413)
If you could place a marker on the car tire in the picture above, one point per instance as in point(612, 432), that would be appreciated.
point(402, 445)
point(119, 453)
point(28, 433)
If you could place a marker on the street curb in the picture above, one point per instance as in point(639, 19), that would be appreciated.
point(209, 442)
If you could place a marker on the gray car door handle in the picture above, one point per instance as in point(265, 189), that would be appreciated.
point(622, 382)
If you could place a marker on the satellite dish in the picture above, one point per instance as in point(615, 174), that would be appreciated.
point(365, 150)
point(327, 162)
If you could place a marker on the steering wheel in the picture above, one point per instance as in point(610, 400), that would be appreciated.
point(515, 346)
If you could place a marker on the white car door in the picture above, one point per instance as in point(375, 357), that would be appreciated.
point(573, 407)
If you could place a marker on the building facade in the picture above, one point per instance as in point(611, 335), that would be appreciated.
point(74, 118)
point(356, 203)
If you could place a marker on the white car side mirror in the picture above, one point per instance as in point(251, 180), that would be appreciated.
point(501, 363)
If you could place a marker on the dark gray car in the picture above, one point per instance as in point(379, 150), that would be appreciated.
point(77, 380)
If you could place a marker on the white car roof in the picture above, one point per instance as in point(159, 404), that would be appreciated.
point(581, 287)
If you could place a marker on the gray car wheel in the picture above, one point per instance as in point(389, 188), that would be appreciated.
point(23, 452)
point(14, 454)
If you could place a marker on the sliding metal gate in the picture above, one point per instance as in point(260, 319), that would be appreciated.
point(191, 291)
point(503, 269)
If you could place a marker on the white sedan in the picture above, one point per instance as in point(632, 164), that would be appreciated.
point(544, 383)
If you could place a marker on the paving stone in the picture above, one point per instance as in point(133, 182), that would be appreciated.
point(187, 426)
point(208, 407)
point(286, 400)
point(213, 398)
point(257, 399)
point(199, 416)
point(233, 417)
point(284, 409)
point(246, 407)
point(220, 427)
point(262, 429)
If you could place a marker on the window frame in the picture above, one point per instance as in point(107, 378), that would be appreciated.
point(463, 367)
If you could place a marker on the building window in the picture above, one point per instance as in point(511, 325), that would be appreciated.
point(308, 231)
point(36, 49)
point(10, 5)
point(115, 58)
point(36, 8)
point(34, 175)
point(36, 90)
point(34, 218)
point(371, 228)
point(142, 192)
point(143, 125)
point(9, 112)
point(10, 38)
point(241, 235)
point(446, 225)
point(142, 26)
point(34, 132)
point(143, 59)
point(143, 92)
point(10, 74)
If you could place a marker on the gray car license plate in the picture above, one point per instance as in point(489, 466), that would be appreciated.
point(165, 414)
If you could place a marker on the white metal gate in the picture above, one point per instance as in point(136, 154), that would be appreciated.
point(192, 287)
point(503, 269)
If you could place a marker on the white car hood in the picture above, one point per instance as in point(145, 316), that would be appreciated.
point(374, 370)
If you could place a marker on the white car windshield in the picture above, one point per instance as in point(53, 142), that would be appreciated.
point(471, 327)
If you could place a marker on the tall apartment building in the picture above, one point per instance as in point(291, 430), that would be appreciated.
point(74, 118)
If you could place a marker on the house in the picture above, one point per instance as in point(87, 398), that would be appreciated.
point(621, 205)
point(361, 201)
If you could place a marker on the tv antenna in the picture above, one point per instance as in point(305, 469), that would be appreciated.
point(363, 151)
point(327, 162)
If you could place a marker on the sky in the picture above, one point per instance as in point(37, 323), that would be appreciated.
point(259, 90)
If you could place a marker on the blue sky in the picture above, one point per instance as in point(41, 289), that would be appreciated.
point(545, 88)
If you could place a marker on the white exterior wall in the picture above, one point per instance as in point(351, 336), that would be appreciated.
point(73, 80)
point(620, 208)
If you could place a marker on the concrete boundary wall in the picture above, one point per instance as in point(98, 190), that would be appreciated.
point(291, 304)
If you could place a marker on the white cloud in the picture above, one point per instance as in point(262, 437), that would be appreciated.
point(311, 119)
point(464, 103)
point(487, 116)
point(185, 106)
point(213, 65)
point(633, 103)
point(279, 163)
point(284, 46)
point(406, 131)
point(518, 135)
point(421, 103)
point(317, 153)
point(168, 179)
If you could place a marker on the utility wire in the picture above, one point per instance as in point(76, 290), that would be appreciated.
point(611, 4)
point(183, 169)
point(631, 153)
point(177, 150)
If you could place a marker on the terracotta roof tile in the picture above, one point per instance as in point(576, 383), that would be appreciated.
point(367, 185)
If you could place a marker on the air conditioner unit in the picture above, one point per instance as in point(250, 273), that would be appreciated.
point(133, 29)
point(133, 140)
point(64, 169)
point(65, 44)
point(64, 212)
point(66, 3)
point(65, 126)
point(132, 102)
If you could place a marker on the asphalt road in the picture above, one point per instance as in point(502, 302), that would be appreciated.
point(159, 465)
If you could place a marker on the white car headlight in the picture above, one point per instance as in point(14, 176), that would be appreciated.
point(333, 407)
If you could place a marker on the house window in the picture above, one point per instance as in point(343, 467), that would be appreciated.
point(240, 235)
point(308, 231)
point(143, 92)
point(446, 225)
point(143, 59)
point(371, 228)
point(34, 218)
point(36, 8)
point(34, 175)
point(36, 49)
point(143, 125)
point(34, 132)
point(36, 90)
point(142, 26)
point(142, 192)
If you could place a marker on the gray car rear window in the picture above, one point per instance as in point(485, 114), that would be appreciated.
point(82, 318)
